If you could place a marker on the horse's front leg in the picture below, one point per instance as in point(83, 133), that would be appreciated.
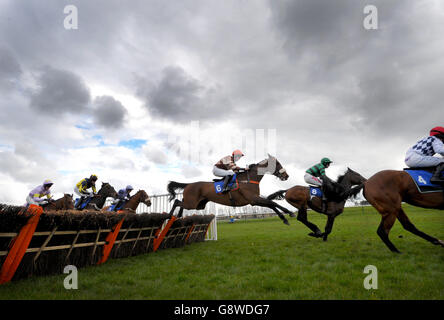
point(328, 226)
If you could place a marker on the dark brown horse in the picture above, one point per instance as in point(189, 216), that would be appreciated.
point(386, 190)
point(139, 197)
point(197, 194)
point(98, 201)
point(64, 203)
point(299, 197)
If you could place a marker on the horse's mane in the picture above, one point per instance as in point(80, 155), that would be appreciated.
point(341, 177)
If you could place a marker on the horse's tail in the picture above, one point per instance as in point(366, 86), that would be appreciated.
point(353, 192)
point(279, 195)
point(172, 186)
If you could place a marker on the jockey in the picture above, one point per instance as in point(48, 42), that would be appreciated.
point(421, 154)
point(40, 195)
point(226, 166)
point(123, 195)
point(313, 175)
point(81, 188)
point(316, 176)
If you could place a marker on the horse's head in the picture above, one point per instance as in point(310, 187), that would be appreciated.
point(354, 177)
point(107, 190)
point(144, 197)
point(272, 166)
point(68, 201)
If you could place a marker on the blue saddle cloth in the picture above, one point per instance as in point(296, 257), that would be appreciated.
point(315, 192)
point(422, 180)
point(84, 204)
point(115, 208)
point(232, 184)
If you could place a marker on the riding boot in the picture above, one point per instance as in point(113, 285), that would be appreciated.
point(225, 186)
point(79, 204)
point(437, 175)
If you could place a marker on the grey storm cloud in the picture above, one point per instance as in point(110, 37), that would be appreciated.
point(108, 112)
point(385, 78)
point(60, 91)
point(179, 96)
point(10, 69)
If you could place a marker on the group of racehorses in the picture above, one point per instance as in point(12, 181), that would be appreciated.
point(97, 202)
point(385, 191)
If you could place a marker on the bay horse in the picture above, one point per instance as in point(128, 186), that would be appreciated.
point(99, 199)
point(386, 190)
point(196, 195)
point(139, 197)
point(300, 198)
point(64, 203)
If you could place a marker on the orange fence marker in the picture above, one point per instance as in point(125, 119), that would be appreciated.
point(110, 239)
point(20, 245)
point(189, 233)
point(158, 240)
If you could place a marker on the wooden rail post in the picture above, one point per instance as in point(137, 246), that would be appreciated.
point(20, 245)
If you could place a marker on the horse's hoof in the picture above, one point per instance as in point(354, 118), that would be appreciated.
point(286, 222)
point(292, 215)
point(439, 242)
point(316, 234)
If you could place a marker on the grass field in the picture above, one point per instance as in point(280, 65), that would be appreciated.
point(265, 259)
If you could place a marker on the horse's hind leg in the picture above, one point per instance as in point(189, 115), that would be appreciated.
point(302, 217)
point(384, 228)
point(408, 225)
point(177, 203)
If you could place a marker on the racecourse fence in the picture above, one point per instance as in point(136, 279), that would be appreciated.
point(33, 242)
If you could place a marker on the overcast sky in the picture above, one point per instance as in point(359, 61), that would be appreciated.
point(144, 92)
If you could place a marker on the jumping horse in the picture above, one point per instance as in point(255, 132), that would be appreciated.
point(139, 197)
point(196, 195)
point(98, 200)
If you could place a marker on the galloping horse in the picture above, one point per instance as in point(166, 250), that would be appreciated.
point(386, 190)
point(299, 197)
point(99, 199)
point(139, 197)
point(64, 203)
point(197, 194)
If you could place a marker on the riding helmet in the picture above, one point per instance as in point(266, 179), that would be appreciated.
point(437, 131)
point(326, 161)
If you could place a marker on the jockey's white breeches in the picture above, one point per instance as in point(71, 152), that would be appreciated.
point(413, 159)
point(80, 194)
point(30, 200)
point(312, 180)
point(218, 172)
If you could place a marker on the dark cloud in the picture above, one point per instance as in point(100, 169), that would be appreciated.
point(108, 112)
point(60, 91)
point(10, 69)
point(385, 79)
point(179, 96)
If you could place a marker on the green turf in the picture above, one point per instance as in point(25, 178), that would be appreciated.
point(265, 259)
